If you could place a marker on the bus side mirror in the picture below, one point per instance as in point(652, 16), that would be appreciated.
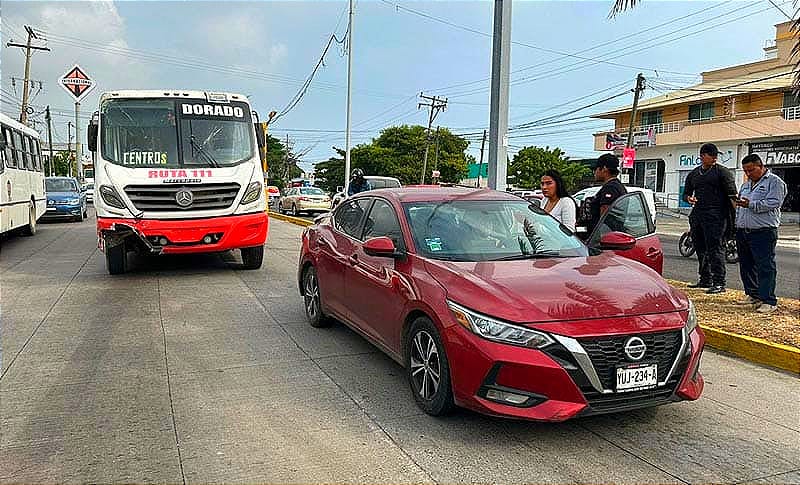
point(91, 135)
point(259, 134)
point(2, 144)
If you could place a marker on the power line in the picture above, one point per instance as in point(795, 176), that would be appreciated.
point(523, 44)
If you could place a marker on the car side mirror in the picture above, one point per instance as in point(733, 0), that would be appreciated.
point(381, 247)
point(617, 241)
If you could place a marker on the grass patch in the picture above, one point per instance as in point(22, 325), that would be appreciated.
point(720, 311)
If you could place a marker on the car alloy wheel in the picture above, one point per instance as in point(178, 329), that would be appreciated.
point(312, 300)
point(426, 370)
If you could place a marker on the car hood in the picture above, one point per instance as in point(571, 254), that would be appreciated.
point(558, 289)
point(63, 195)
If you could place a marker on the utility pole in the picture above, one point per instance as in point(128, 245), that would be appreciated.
point(480, 164)
point(434, 104)
point(78, 146)
point(49, 138)
point(349, 106)
point(69, 148)
point(636, 91)
point(498, 117)
point(629, 144)
point(436, 156)
point(23, 115)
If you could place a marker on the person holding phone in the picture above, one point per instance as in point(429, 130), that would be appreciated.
point(758, 215)
point(711, 191)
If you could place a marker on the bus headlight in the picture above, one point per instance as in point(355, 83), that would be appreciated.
point(111, 196)
point(252, 193)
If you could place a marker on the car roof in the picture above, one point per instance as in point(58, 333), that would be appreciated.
point(438, 194)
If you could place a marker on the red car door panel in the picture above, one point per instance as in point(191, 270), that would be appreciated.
point(629, 214)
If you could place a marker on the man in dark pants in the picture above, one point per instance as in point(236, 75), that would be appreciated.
point(710, 188)
point(758, 216)
point(606, 170)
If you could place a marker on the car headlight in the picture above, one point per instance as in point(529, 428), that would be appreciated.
point(252, 193)
point(691, 320)
point(111, 196)
point(72, 201)
point(498, 331)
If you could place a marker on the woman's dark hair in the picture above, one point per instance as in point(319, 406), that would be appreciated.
point(561, 189)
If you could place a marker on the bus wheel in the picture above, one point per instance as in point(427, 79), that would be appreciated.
point(116, 258)
point(252, 257)
point(30, 229)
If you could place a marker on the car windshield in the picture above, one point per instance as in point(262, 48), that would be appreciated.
point(311, 191)
point(60, 185)
point(470, 230)
point(154, 132)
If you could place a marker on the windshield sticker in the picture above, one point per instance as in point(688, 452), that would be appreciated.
point(144, 158)
point(214, 110)
point(434, 243)
point(177, 174)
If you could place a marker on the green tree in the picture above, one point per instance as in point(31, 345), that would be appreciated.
point(398, 152)
point(281, 163)
point(61, 162)
point(530, 163)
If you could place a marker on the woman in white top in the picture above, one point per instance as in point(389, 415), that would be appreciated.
point(557, 201)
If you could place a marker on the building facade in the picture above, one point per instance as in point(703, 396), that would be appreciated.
point(743, 109)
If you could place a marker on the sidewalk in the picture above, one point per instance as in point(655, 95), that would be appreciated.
point(788, 234)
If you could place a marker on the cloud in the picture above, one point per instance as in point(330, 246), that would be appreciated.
point(277, 53)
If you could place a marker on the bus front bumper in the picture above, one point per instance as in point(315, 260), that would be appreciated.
point(185, 236)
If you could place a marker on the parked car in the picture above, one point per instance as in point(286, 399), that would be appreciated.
point(65, 199)
point(89, 190)
point(305, 199)
point(375, 182)
point(649, 196)
point(491, 306)
point(273, 196)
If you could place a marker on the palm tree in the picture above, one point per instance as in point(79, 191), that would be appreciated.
point(623, 5)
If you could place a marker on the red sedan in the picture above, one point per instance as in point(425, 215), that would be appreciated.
point(491, 304)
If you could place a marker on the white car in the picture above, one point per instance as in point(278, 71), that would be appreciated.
point(89, 189)
point(649, 197)
point(374, 181)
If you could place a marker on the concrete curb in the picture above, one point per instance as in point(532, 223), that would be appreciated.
point(293, 220)
point(754, 349)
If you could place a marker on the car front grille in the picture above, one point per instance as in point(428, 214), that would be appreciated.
point(155, 198)
point(606, 354)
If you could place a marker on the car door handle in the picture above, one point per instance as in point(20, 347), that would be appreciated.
point(653, 253)
point(353, 259)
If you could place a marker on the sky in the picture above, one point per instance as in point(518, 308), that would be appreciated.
point(565, 55)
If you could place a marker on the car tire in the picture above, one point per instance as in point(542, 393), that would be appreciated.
point(116, 259)
point(252, 258)
point(425, 357)
point(30, 229)
point(685, 245)
point(312, 300)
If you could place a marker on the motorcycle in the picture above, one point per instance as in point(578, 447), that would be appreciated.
point(686, 248)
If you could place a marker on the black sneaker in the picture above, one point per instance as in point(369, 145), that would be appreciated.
point(700, 284)
point(715, 289)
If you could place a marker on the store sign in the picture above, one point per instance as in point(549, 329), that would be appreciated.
point(687, 160)
point(618, 141)
point(628, 157)
point(784, 152)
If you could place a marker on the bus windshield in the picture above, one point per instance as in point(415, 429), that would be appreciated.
point(175, 133)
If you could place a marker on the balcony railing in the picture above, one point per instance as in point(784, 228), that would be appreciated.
point(792, 113)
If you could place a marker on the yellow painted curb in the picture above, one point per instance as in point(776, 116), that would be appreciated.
point(293, 220)
point(754, 349)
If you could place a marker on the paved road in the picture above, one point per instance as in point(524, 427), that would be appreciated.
point(685, 269)
point(191, 370)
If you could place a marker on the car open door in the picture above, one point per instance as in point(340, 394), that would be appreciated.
point(630, 214)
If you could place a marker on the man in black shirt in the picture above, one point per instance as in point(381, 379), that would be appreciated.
point(710, 189)
point(606, 170)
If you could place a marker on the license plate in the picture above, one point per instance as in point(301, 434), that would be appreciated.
point(51, 209)
point(636, 378)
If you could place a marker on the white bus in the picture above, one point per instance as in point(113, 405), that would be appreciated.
point(177, 172)
point(22, 193)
